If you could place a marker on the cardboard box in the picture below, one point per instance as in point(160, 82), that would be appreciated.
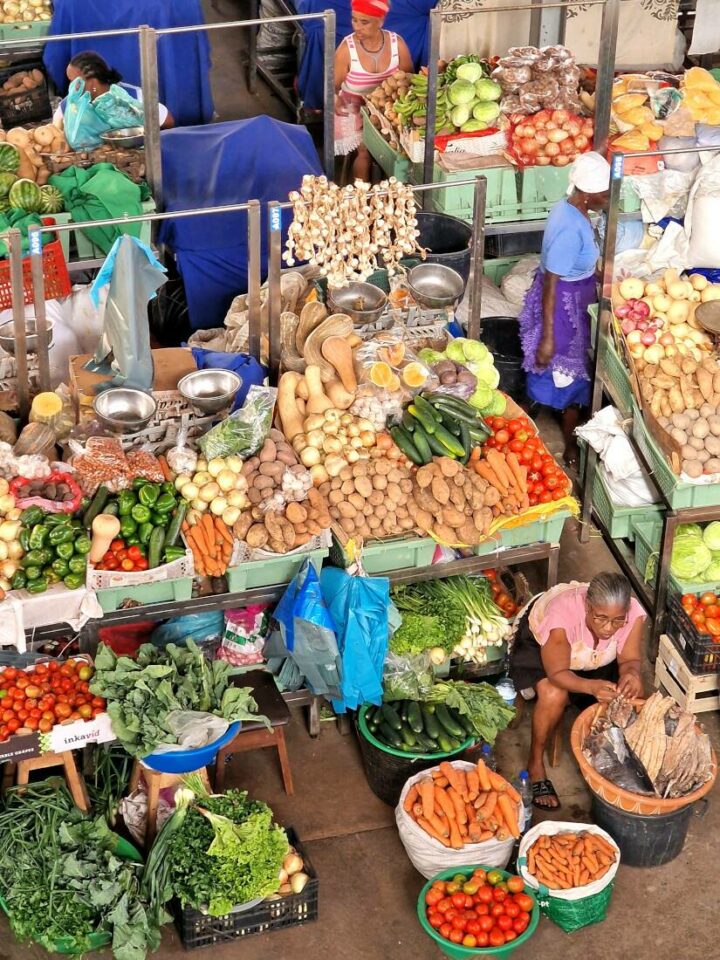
point(170, 363)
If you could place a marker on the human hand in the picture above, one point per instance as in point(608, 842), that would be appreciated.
point(630, 685)
point(602, 690)
point(545, 352)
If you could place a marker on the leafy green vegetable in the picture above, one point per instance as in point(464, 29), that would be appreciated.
point(141, 692)
point(425, 599)
point(480, 702)
point(245, 430)
point(417, 632)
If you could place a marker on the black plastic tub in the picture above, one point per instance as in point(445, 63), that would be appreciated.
point(643, 841)
point(447, 240)
point(501, 335)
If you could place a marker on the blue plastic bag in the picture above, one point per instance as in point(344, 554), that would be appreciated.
point(251, 372)
point(81, 123)
point(118, 109)
point(199, 627)
point(360, 606)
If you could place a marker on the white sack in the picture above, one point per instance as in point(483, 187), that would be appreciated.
point(518, 280)
point(550, 828)
point(702, 217)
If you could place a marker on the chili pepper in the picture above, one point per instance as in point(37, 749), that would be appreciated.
point(128, 527)
point(61, 567)
point(73, 580)
point(144, 531)
point(38, 536)
point(140, 513)
point(63, 533)
point(165, 504)
point(38, 585)
point(31, 516)
point(148, 494)
point(78, 565)
point(126, 501)
point(82, 546)
point(173, 553)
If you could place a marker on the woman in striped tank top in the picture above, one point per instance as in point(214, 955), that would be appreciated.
point(362, 61)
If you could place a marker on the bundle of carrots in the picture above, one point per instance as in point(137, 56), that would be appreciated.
point(569, 860)
point(211, 542)
point(456, 807)
point(503, 471)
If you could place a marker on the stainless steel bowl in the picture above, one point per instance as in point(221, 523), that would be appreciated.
point(124, 409)
point(210, 391)
point(362, 302)
point(7, 335)
point(708, 316)
point(125, 137)
point(434, 285)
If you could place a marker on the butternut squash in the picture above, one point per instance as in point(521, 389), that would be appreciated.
point(290, 416)
point(301, 389)
point(317, 402)
point(340, 397)
point(104, 530)
point(338, 352)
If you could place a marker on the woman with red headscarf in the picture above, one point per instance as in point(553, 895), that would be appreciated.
point(362, 61)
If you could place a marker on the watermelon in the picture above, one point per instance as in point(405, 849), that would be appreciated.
point(52, 200)
point(6, 181)
point(9, 158)
point(4, 205)
point(26, 195)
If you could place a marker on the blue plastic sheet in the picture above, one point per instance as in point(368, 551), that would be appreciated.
point(409, 18)
point(199, 627)
point(183, 59)
point(225, 163)
point(359, 606)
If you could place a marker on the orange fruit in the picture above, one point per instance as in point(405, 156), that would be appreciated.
point(393, 384)
point(393, 354)
point(381, 374)
point(414, 374)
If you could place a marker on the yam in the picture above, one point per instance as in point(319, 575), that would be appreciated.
point(469, 534)
point(242, 525)
point(457, 497)
point(665, 406)
point(296, 513)
point(257, 536)
point(677, 404)
point(425, 520)
point(716, 383)
point(452, 517)
point(445, 535)
point(656, 402)
point(448, 467)
point(663, 382)
point(670, 368)
point(440, 490)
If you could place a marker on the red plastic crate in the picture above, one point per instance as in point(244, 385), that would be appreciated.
point(55, 273)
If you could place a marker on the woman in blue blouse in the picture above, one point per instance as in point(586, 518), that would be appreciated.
point(554, 323)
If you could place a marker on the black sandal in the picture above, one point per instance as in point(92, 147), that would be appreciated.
point(544, 788)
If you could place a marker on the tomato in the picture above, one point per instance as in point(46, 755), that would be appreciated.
point(127, 564)
point(534, 476)
point(473, 927)
point(7, 715)
point(502, 437)
point(471, 915)
point(511, 909)
point(85, 711)
point(445, 930)
point(526, 454)
point(496, 937)
point(707, 599)
point(712, 626)
point(482, 940)
point(689, 599)
point(532, 499)
point(22, 682)
point(452, 888)
point(134, 553)
point(141, 564)
point(435, 920)
point(536, 462)
point(485, 894)
point(499, 423)
point(712, 611)
point(458, 923)
point(75, 716)
point(9, 673)
point(502, 599)
point(13, 725)
point(23, 715)
point(486, 923)
point(552, 482)
point(490, 442)
point(525, 902)
point(117, 545)
point(698, 619)
point(469, 940)
point(63, 711)
point(520, 926)
point(482, 909)
point(456, 936)
point(444, 905)
point(517, 446)
point(522, 435)
point(510, 935)
point(111, 563)
point(514, 425)
point(458, 900)
point(31, 723)
point(504, 922)
point(433, 896)
point(497, 909)
point(98, 702)
point(469, 902)
point(549, 468)
point(97, 711)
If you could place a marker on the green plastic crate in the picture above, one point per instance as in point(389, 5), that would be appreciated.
point(540, 190)
point(112, 598)
point(24, 31)
point(502, 192)
point(692, 586)
point(647, 535)
point(678, 494)
point(617, 374)
point(394, 162)
point(86, 250)
point(272, 571)
point(64, 235)
point(496, 268)
point(620, 521)
point(386, 555)
point(547, 530)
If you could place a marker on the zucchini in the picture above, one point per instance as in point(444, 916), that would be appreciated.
point(415, 717)
point(426, 420)
point(451, 726)
point(421, 441)
point(452, 443)
point(402, 439)
point(408, 736)
point(432, 727)
point(173, 530)
point(155, 546)
point(102, 495)
point(390, 717)
point(390, 736)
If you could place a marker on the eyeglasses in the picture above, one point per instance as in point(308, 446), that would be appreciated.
point(601, 621)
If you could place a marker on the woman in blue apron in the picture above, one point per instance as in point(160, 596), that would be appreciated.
point(99, 77)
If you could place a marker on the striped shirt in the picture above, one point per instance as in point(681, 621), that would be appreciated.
point(360, 82)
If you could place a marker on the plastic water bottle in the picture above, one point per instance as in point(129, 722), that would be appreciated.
point(487, 754)
point(524, 788)
point(506, 689)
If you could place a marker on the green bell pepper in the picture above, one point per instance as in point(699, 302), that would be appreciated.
point(133, 541)
point(51, 576)
point(63, 533)
point(19, 580)
point(139, 482)
point(128, 527)
point(38, 536)
point(144, 531)
point(159, 519)
point(74, 580)
point(61, 567)
point(165, 504)
point(148, 494)
point(82, 546)
point(140, 513)
point(168, 487)
point(78, 565)
point(126, 502)
point(32, 573)
point(24, 539)
point(37, 558)
point(31, 516)
point(64, 551)
point(39, 585)
point(55, 519)
point(77, 525)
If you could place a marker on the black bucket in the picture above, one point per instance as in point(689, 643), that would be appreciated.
point(644, 841)
point(447, 240)
point(501, 335)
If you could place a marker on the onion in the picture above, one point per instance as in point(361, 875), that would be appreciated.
point(627, 326)
point(634, 338)
point(551, 125)
point(642, 307)
point(641, 325)
point(541, 137)
point(561, 161)
point(292, 864)
point(573, 128)
point(310, 456)
point(568, 148)
point(557, 136)
point(666, 339)
point(542, 161)
point(622, 311)
point(671, 351)
point(648, 338)
point(298, 882)
point(530, 148)
point(560, 116)
point(552, 149)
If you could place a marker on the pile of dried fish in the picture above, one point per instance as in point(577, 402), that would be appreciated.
point(657, 747)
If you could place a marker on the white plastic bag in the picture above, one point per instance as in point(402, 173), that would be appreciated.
point(518, 280)
point(493, 304)
point(632, 491)
point(702, 215)
point(429, 856)
point(550, 828)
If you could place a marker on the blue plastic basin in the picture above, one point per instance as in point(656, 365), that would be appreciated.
point(186, 761)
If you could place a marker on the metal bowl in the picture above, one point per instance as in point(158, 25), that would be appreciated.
point(7, 335)
point(124, 409)
point(210, 391)
point(434, 285)
point(707, 315)
point(362, 302)
point(125, 137)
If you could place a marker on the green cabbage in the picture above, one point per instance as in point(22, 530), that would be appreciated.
point(460, 115)
point(487, 90)
point(711, 574)
point(497, 405)
point(690, 558)
point(471, 72)
point(688, 531)
point(461, 91)
point(482, 397)
point(486, 112)
point(711, 535)
point(429, 356)
point(455, 350)
point(473, 126)
point(474, 350)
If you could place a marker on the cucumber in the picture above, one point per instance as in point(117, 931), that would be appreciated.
point(390, 736)
point(421, 441)
point(371, 717)
point(408, 422)
point(443, 401)
point(464, 722)
point(451, 726)
point(155, 546)
point(439, 449)
point(415, 717)
point(173, 530)
point(446, 743)
point(404, 711)
point(426, 420)
point(452, 443)
point(102, 495)
point(390, 717)
point(408, 736)
point(451, 423)
point(427, 744)
point(432, 727)
point(465, 440)
point(425, 407)
point(402, 439)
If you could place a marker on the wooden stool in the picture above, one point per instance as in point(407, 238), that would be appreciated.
point(155, 781)
point(256, 736)
point(75, 782)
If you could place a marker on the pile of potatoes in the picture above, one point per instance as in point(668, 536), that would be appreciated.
point(697, 432)
point(286, 510)
point(22, 81)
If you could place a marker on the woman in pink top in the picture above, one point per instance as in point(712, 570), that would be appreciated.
point(362, 61)
point(576, 639)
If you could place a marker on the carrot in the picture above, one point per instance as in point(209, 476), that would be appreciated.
point(410, 798)
point(223, 530)
point(516, 471)
point(502, 834)
point(531, 859)
point(577, 871)
point(509, 814)
point(470, 811)
point(453, 777)
point(209, 531)
point(484, 470)
point(486, 811)
point(424, 825)
point(591, 863)
point(485, 835)
point(498, 783)
point(426, 789)
point(166, 471)
point(439, 826)
point(444, 803)
point(483, 776)
point(436, 774)
point(441, 781)
point(512, 792)
point(475, 832)
point(498, 463)
point(458, 804)
point(473, 782)
point(480, 799)
point(185, 526)
point(456, 841)
point(475, 454)
point(417, 810)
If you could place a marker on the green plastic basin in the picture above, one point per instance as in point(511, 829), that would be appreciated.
point(455, 950)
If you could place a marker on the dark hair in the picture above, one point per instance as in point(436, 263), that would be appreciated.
point(92, 66)
point(609, 589)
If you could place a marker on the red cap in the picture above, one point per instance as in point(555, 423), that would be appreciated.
point(371, 8)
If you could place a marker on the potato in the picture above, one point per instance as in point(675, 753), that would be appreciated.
point(703, 456)
point(242, 525)
point(692, 413)
point(712, 445)
point(696, 442)
point(257, 536)
point(693, 468)
point(394, 494)
point(688, 453)
point(363, 485)
point(681, 421)
point(712, 465)
point(714, 424)
point(376, 498)
point(296, 513)
point(270, 468)
point(679, 436)
point(701, 428)
point(424, 476)
point(380, 482)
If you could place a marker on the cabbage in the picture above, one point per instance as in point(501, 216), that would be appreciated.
point(485, 373)
point(474, 350)
point(486, 112)
point(712, 573)
point(487, 90)
point(470, 72)
point(688, 531)
point(711, 535)
point(497, 405)
point(459, 115)
point(689, 558)
point(482, 397)
point(454, 350)
point(473, 126)
point(461, 91)
point(430, 356)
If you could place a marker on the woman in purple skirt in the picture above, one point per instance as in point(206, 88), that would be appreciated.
point(554, 323)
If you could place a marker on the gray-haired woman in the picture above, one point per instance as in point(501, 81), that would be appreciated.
point(576, 639)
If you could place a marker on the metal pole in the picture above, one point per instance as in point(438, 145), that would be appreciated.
point(477, 256)
point(38, 282)
point(605, 73)
point(547, 26)
point(603, 326)
point(253, 298)
point(274, 287)
point(431, 112)
point(252, 50)
point(18, 309)
point(329, 93)
point(151, 98)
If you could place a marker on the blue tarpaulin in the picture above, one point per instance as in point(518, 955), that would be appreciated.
point(183, 59)
point(224, 163)
point(409, 18)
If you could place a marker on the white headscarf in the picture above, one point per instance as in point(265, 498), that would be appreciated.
point(589, 173)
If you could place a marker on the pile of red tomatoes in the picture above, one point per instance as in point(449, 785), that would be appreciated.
point(546, 480)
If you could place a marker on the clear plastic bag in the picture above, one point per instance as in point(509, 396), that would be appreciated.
point(388, 363)
point(407, 678)
point(181, 459)
point(245, 430)
point(101, 460)
point(21, 489)
point(144, 463)
point(193, 729)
